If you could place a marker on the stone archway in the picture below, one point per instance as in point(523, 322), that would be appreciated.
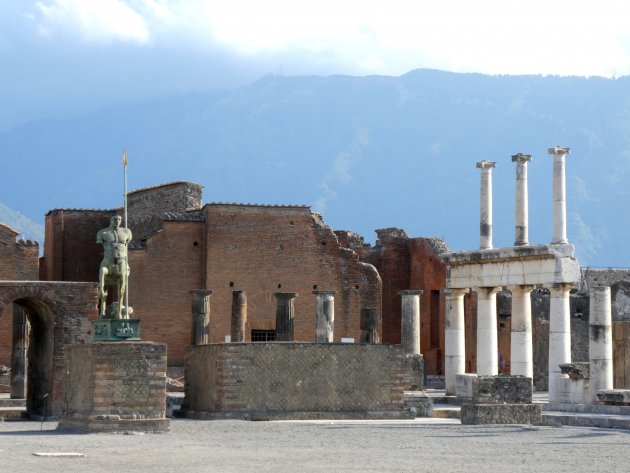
point(59, 314)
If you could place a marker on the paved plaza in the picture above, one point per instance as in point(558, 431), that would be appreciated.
point(317, 446)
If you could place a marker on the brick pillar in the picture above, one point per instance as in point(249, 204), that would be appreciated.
point(410, 321)
point(370, 326)
point(285, 313)
point(239, 316)
point(18, 354)
point(325, 316)
point(201, 316)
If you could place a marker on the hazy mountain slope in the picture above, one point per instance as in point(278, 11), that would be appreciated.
point(28, 229)
point(367, 152)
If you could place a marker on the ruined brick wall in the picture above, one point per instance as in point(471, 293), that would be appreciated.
point(267, 249)
point(70, 249)
point(145, 206)
point(162, 275)
point(391, 257)
point(293, 380)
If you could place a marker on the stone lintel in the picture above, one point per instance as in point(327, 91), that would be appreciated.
point(486, 164)
point(559, 150)
point(521, 158)
point(324, 293)
point(410, 292)
point(516, 253)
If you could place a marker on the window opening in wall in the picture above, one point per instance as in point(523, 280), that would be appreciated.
point(435, 319)
point(196, 243)
point(231, 284)
point(279, 286)
point(263, 335)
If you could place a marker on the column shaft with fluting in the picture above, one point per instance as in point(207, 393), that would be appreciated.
point(600, 341)
point(521, 348)
point(485, 204)
point(559, 195)
point(559, 335)
point(324, 316)
point(410, 321)
point(239, 316)
point(521, 206)
point(454, 338)
point(201, 317)
point(285, 314)
point(370, 326)
point(487, 336)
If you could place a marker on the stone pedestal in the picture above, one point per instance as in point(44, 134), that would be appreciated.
point(115, 387)
point(116, 330)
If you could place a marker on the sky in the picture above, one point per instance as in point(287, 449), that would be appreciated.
point(59, 58)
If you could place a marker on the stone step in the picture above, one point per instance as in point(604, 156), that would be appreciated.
point(446, 411)
point(575, 419)
point(8, 402)
point(12, 412)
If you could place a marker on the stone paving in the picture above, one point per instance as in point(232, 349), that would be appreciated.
point(419, 445)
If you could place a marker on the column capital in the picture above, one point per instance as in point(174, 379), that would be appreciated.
point(488, 290)
point(521, 158)
point(285, 295)
point(560, 287)
point(486, 164)
point(201, 292)
point(324, 293)
point(559, 151)
point(455, 292)
point(521, 287)
point(410, 292)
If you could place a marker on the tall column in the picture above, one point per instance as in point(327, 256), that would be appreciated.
point(559, 335)
point(454, 338)
point(559, 194)
point(600, 341)
point(18, 353)
point(521, 351)
point(370, 326)
point(285, 313)
point(487, 337)
point(201, 317)
point(325, 316)
point(485, 204)
point(410, 321)
point(521, 237)
point(239, 316)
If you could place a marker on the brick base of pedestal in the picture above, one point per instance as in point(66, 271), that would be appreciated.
point(115, 387)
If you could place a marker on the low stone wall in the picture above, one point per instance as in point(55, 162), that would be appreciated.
point(260, 381)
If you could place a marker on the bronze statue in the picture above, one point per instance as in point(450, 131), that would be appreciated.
point(114, 269)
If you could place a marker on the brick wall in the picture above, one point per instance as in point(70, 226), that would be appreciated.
point(293, 380)
point(266, 249)
point(145, 206)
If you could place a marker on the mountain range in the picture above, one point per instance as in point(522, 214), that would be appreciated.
point(366, 152)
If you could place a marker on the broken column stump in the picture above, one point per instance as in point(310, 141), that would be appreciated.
point(115, 387)
point(500, 400)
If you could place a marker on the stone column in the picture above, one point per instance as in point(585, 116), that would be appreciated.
point(324, 316)
point(239, 316)
point(600, 341)
point(454, 338)
point(285, 313)
point(521, 351)
point(487, 337)
point(559, 335)
point(410, 321)
point(521, 237)
point(201, 317)
point(485, 205)
point(559, 194)
point(18, 354)
point(370, 326)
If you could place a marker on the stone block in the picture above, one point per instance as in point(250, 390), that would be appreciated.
point(419, 402)
point(464, 387)
point(414, 372)
point(577, 370)
point(572, 390)
point(501, 390)
point(619, 397)
point(480, 414)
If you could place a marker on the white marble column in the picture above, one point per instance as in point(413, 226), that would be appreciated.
point(521, 351)
point(521, 237)
point(487, 337)
point(485, 205)
point(559, 335)
point(410, 321)
point(454, 338)
point(600, 341)
point(325, 316)
point(559, 195)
